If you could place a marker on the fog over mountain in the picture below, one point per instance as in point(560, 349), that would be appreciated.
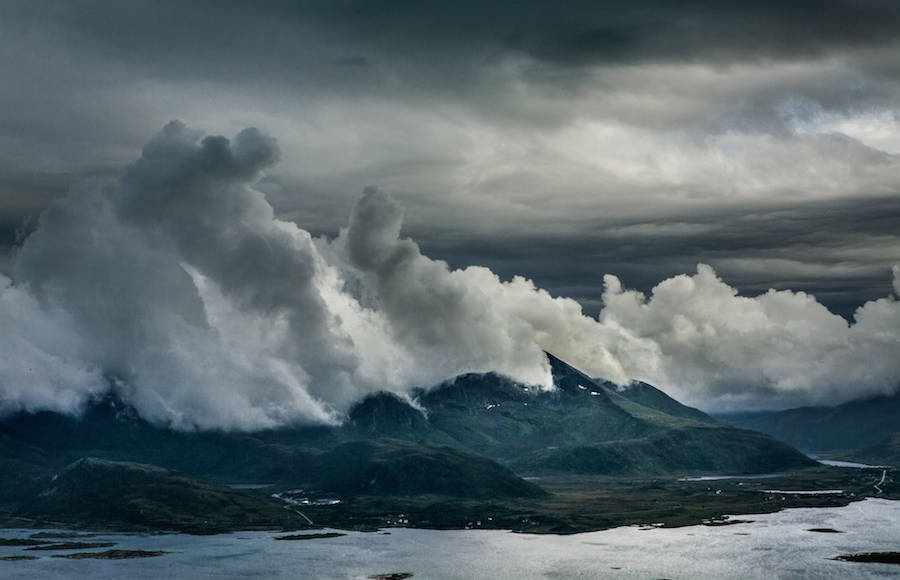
point(180, 289)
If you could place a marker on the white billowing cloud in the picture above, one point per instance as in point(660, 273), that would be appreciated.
point(181, 290)
point(142, 320)
point(209, 312)
point(777, 348)
point(42, 360)
point(449, 319)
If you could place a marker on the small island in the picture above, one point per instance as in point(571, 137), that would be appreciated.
point(112, 555)
point(871, 557)
point(310, 536)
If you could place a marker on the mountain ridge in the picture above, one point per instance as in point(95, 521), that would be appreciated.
point(525, 428)
point(840, 429)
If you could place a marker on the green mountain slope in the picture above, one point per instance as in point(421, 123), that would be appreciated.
point(132, 494)
point(649, 396)
point(391, 467)
point(674, 452)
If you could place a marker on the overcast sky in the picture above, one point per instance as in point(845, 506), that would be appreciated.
point(558, 141)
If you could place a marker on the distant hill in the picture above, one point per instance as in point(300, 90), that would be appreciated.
point(110, 430)
point(22, 466)
point(835, 430)
point(97, 492)
point(885, 452)
point(133, 494)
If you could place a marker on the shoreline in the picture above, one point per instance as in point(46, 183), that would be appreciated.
point(724, 519)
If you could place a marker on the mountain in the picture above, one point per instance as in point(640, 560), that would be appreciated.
point(580, 426)
point(834, 430)
point(385, 415)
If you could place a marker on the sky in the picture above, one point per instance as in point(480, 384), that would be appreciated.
point(596, 151)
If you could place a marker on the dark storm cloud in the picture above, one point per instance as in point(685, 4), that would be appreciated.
point(559, 141)
point(279, 40)
point(578, 33)
point(466, 54)
point(619, 32)
point(116, 71)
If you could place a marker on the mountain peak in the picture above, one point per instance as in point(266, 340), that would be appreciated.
point(382, 413)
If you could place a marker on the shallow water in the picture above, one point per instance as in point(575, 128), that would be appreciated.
point(719, 477)
point(771, 546)
point(850, 464)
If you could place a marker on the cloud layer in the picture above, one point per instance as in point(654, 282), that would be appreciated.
point(179, 288)
point(760, 137)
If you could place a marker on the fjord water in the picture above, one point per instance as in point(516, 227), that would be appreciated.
point(777, 545)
